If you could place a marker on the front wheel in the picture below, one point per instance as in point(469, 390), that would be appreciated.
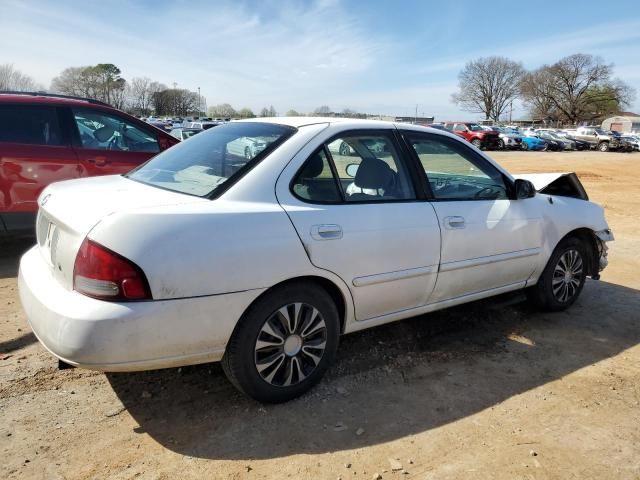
point(284, 343)
point(563, 278)
point(477, 143)
point(524, 146)
point(501, 144)
point(603, 146)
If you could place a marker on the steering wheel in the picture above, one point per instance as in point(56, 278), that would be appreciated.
point(485, 189)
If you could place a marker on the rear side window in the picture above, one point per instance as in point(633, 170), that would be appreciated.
point(315, 181)
point(104, 131)
point(29, 124)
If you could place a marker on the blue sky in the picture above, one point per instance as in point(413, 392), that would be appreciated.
point(373, 56)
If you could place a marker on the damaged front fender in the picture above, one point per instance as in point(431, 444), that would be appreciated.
point(561, 184)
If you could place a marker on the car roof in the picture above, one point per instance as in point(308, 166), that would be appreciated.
point(304, 121)
point(48, 98)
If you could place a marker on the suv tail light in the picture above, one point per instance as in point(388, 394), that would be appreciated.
point(100, 273)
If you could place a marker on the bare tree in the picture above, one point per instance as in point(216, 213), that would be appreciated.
point(578, 87)
point(14, 80)
point(488, 86)
point(246, 113)
point(223, 110)
point(175, 101)
point(102, 82)
point(268, 112)
point(141, 90)
point(322, 110)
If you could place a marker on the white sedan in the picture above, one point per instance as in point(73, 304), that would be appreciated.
point(263, 263)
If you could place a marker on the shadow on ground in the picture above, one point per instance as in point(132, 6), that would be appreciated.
point(10, 253)
point(392, 381)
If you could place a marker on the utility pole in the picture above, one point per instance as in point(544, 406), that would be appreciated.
point(510, 111)
point(199, 103)
point(415, 120)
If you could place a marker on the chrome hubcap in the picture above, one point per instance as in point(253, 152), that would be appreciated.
point(567, 276)
point(290, 344)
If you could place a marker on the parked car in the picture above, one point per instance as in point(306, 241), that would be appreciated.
point(563, 143)
point(46, 138)
point(184, 261)
point(247, 147)
point(201, 124)
point(475, 134)
point(509, 139)
point(633, 140)
point(550, 143)
point(533, 143)
point(580, 144)
point(184, 133)
point(596, 137)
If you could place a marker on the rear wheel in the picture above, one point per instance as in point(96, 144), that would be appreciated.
point(344, 150)
point(563, 278)
point(284, 343)
point(524, 146)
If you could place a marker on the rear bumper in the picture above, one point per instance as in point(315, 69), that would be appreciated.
point(106, 336)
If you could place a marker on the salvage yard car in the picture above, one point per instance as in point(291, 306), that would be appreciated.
point(264, 260)
point(46, 138)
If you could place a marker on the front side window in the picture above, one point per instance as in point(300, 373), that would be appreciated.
point(370, 169)
point(460, 128)
point(454, 172)
point(29, 124)
point(104, 131)
point(208, 160)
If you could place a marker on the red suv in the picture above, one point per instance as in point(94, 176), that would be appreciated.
point(45, 138)
point(474, 133)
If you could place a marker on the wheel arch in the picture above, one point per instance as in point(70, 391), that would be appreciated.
point(327, 285)
point(588, 237)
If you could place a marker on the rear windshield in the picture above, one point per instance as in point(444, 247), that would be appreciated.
point(212, 158)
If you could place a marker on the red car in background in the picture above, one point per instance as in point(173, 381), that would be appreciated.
point(46, 138)
point(474, 133)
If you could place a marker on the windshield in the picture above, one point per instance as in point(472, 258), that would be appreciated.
point(211, 158)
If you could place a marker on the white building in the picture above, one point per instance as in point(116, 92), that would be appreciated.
point(623, 124)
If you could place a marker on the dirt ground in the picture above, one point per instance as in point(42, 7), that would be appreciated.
point(487, 390)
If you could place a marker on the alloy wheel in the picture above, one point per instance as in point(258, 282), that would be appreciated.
point(567, 276)
point(290, 344)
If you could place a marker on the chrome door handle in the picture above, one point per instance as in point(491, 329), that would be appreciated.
point(454, 222)
point(326, 232)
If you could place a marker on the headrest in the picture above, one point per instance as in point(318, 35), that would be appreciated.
point(103, 133)
point(313, 167)
point(374, 173)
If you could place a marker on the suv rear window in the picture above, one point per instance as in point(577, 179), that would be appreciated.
point(29, 124)
point(212, 158)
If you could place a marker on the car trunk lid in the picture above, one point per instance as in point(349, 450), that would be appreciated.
point(69, 210)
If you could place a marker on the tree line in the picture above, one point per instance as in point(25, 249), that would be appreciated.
point(576, 88)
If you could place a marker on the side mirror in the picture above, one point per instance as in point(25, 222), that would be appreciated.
point(524, 189)
point(352, 169)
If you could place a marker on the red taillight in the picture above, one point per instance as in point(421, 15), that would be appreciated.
point(101, 273)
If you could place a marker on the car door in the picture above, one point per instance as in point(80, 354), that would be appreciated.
point(358, 216)
point(489, 240)
point(108, 143)
point(34, 152)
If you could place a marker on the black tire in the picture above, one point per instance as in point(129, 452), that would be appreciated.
point(524, 146)
point(344, 149)
point(603, 146)
point(244, 355)
point(545, 148)
point(547, 294)
point(501, 144)
point(476, 142)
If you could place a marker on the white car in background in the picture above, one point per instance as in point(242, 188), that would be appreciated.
point(263, 264)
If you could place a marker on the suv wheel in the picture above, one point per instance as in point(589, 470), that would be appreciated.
point(501, 144)
point(603, 146)
point(563, 278)
point(476, 142)
point(284, 343)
